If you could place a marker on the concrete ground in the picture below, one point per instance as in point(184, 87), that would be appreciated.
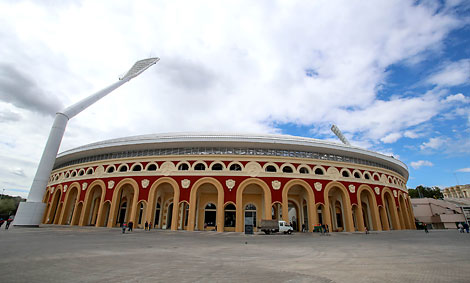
point(86, 254)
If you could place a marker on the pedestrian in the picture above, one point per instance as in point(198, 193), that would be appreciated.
point(466, 227)
point(9, 220)
point(1, 222)
point(367, 231)
point(303, 228)
point(130, 225)
point(426, 228)
point(123, 226)
point(460, 227)
point(150, 225)
point(146, 225)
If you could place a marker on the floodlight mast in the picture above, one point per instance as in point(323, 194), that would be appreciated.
point(339, 134)
point(30, 212)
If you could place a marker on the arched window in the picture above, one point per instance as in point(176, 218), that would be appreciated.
point(137, 168)
point(319, 171)
point(367, 176)
point(235, 167)
point(110, 169)
point(217, 167)
point(141, 212)
point(89, 171)
point(303, 170)
point(376, 177)
point(200, 167)
point(357, 175)
point(183, 167)
point(345, 174)
point(67, 175)
point(152, 167)
point(123, 168)
point(270, 168)
point(74, 174)
point(210, 215)
point(287, 169)
point(230, 215)
point(81, 172)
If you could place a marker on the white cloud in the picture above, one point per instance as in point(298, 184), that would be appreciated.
point(222, 68)
point(433, 143)
point(411, 134)
point(465, 170)
point(457, 98)
point(452, 74)
point(420, 163)
point(391, 138)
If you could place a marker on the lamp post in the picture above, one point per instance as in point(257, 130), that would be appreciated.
point(30, 212)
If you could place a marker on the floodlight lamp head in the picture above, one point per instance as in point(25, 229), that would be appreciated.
point(139, 67)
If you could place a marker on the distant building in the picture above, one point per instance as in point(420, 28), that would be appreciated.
point(460, 196)
point(440, 214)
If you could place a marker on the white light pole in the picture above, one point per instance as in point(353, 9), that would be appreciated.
point(30, 212)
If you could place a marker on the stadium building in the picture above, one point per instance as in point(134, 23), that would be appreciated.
point(201, 181)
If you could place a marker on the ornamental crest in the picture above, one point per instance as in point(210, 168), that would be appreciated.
point(352, 189)
point(145, 183)
point(318, 186)
point(65, 188)
point(52, 190)
point(276, 184)
point(377, 190)
point(395, 193)
point(230, 184)
point(84, 186)
point(110, 184)
point(185, 183)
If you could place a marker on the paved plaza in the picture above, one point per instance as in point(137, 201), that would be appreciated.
point(87, 254)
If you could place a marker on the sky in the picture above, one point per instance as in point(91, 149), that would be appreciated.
point(394, 76)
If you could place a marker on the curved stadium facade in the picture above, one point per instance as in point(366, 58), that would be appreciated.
point(199, 181)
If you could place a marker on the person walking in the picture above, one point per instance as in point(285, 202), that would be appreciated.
point(1, 222)
point(150, 225)
point(466, 227)
point(460, 227)
point(146, 225)
point(426, 228)
point(130, 225)
point(123, 226)
point(9, 220)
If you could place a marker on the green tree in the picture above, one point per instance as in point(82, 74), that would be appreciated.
point(426, 192)
point(9, 205)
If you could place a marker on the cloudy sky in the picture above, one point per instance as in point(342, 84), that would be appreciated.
point(393, 75)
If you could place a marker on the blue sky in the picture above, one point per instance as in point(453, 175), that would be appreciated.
point(392, 75)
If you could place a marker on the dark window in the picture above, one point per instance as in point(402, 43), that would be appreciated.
point(183, 167)
point(345, 174)
point(357, 175)
point(89, 171)
point(152, 167)
point(200, 166)
point(74, 174)
point(367, 176)
point(235, 167)
point(123, 169)
point(210, 214)
point(303, 170)
point(81, 173)
point(137, 168)
point(319, 171)
point(270, 168)
point(230, 215)
point(217, 167)
point(110, 169)
point(287, 169)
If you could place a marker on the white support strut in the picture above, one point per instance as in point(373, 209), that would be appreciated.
point(30, 212)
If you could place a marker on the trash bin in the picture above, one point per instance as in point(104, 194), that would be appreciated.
point(248, 229)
